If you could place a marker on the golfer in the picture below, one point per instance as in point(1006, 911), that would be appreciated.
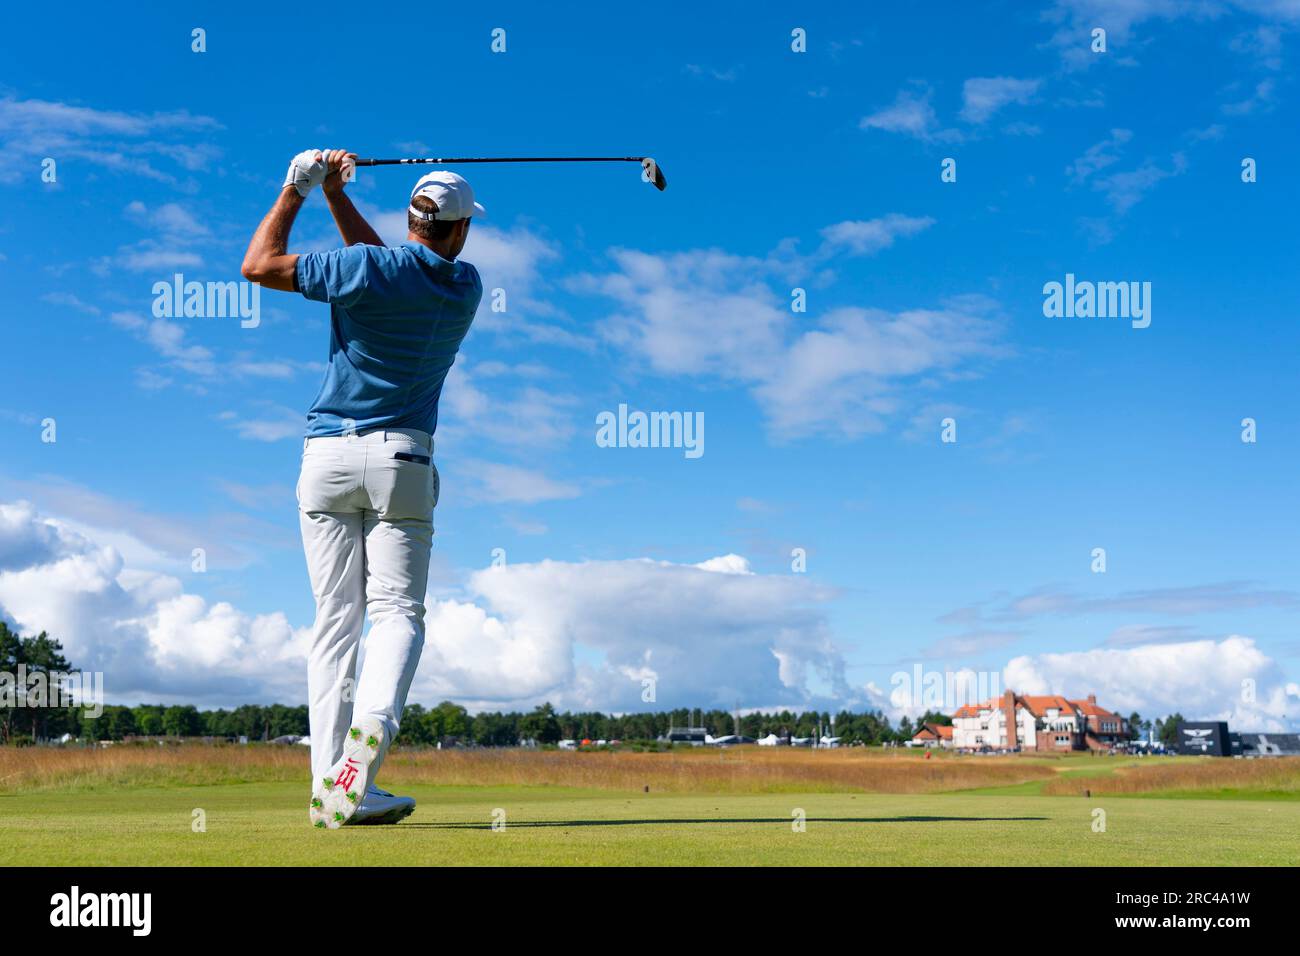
point(368, 484)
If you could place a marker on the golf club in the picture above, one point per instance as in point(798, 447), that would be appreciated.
point(652, 171)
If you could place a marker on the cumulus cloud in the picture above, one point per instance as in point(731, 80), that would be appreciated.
point(710, 313)
point(528, 417)
point(582, 634)
point(705, 634)
point(150, 638)
point(1229, 679)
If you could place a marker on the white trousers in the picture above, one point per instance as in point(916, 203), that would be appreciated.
point(365, 503)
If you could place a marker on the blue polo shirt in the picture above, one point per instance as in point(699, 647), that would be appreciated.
point(397, 318)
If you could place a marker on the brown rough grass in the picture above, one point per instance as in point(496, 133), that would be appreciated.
point(744, 770)
point(146, 765)
point(737, 770)
point(1202, 774)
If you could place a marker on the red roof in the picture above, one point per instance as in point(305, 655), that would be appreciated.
point(1038, 705)
point(939, 731)
point(1092, 710)
point(1041, 705)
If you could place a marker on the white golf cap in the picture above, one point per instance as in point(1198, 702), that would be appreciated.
point(450, 193)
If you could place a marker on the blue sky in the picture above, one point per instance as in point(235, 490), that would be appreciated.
point(817, 170)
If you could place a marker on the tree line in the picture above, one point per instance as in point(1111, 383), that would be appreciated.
point(447, 722)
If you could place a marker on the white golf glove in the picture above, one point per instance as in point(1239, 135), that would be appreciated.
point(306, 171)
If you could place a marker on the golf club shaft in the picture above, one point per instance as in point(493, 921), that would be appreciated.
point(651, 168)
point(504, 159)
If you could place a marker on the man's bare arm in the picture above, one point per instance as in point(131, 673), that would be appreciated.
point(352, 225)
point(266, 261)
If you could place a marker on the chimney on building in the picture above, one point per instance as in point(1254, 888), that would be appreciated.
point(1092, 698)
point(1009, 714)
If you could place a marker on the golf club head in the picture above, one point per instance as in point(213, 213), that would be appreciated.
point(654, 174)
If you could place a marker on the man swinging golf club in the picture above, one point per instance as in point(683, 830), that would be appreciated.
point(368, 484)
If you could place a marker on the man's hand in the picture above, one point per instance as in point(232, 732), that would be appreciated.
point(341, 169)
point(306, 170)
point(354, 229)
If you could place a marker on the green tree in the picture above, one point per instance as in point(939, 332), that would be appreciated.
point(1136, 726)
point(182, 722)
point(42, 660)
point(542, 725)
point(149, 719)
point(119, 723)
point(1167, 729)
point(905, 731)
point(453, 720)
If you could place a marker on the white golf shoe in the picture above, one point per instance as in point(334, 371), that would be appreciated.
point(336, 797)
point(379, 807)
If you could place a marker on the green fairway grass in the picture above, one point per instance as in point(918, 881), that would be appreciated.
point(266, 824)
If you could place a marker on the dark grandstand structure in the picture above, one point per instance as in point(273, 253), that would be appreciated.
point(1214, 739)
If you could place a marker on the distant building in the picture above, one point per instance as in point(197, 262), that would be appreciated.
point(932, 735)
point(695, 736)
point(1212, 738)
point(1049, 724)
point(1252, 744)
point(1204, 738)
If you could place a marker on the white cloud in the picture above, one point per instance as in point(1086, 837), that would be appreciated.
point(1203, 680)
point(271, 424)
point(70, 301)
point(1263, 44)
point(708, 634)
point(709, 313)
point(529, 417)
point(35, 117)
point(509, 483)
point(102, 139)
point(723, 76)
point(1260, 98)
point(1076, 20)
point(149, 540)
point(912, 115)
point(982, 96)
point(867, 237)
point(1098, 156)
point(1125, 190)
point(149, 637)
point(171, 220)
